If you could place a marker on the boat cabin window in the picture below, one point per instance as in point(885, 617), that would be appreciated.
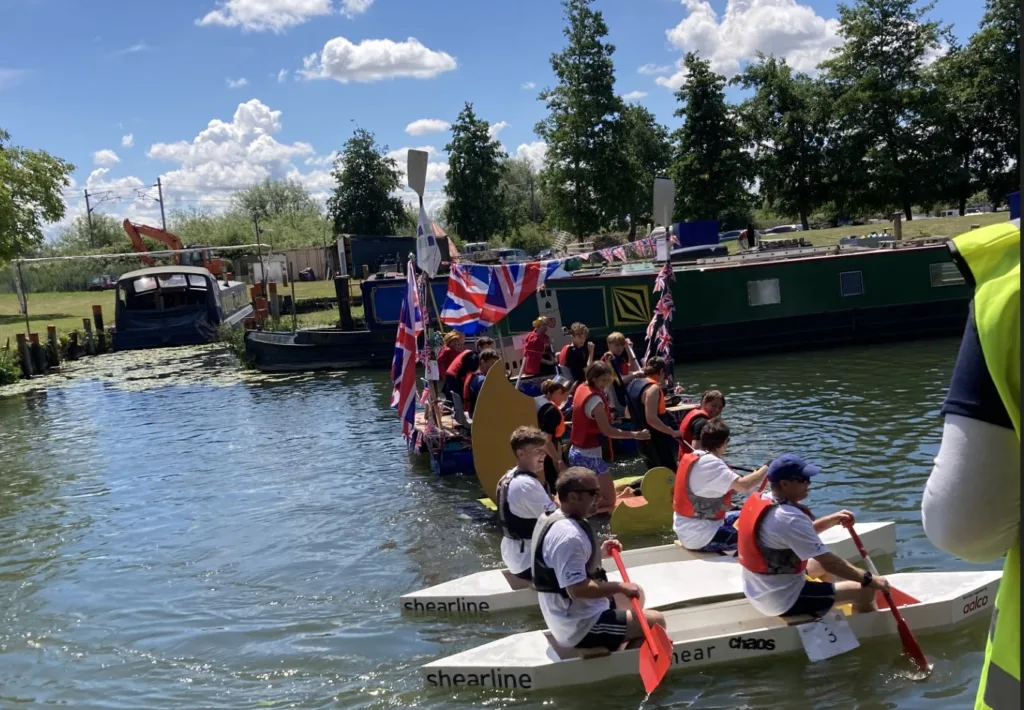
point(945, 273)
point(851, 283)
point(763, 293)
point(148, 293)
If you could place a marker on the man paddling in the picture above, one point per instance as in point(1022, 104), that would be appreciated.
point(703, 490)
point(712, 403)
point(575, 596)
point(521, 499)
point(779, 542)
point(647, 410)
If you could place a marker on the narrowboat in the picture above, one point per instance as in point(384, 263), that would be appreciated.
point(167, 306)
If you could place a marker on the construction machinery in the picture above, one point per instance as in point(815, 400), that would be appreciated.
point(220, 268)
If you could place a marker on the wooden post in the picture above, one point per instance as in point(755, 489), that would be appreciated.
point(74, 350)
point(101, 334)
point(38, 356)
point(90, 346)
point(897, 225)
point(344, 304)
point(54, 346)
point(291, 281)
point(25, 355)
point(275, 301)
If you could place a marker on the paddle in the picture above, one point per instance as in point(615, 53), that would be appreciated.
point(910, 644)
point(656, 652)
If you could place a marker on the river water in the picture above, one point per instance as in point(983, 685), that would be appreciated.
point(175, 533)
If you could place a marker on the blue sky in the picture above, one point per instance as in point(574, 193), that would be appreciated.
point(126, 89)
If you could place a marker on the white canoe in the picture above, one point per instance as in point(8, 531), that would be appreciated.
point(710, 634)
point(671, 580)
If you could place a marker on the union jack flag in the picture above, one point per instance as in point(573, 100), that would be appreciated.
point(403, 366)
point(480, 296)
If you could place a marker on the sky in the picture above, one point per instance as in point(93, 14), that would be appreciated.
point(214, 95)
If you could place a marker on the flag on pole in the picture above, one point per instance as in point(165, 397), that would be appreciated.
point(480, 296)
point(428, 254)
point(403, 366)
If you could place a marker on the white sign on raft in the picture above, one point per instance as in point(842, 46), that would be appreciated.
point(829, 636)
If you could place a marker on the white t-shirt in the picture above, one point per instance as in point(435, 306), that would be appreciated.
point(783, 527)
point(710, 477)
point(566, 550)
point(589, 408)
point(526, 499)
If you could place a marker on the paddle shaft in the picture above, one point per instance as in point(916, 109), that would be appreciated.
point(637, 609)
point(910, 644)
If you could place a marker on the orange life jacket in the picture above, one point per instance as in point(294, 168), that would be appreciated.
point(562, 353)
point(751, 554)
point(689, 505)
point(539, 403)
point(661, 395)
point(585, 433)
point(685, 426)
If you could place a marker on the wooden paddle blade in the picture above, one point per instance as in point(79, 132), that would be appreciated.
point(655, 662)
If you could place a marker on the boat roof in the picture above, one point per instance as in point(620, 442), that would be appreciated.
point(165, 271)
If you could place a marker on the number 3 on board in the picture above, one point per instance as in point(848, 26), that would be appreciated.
point(829, 636)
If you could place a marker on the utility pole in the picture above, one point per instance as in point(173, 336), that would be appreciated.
point(160, 191)
point(533, 201)
point(88, 216)
point(259, 254)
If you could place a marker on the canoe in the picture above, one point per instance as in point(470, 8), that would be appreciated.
point(705, 635)
point(667, 573)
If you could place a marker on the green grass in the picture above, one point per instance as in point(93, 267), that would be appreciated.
point(66, 310)
point(938, 227)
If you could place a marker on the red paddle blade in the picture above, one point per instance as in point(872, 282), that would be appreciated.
point(655, 662)
point(910, 645)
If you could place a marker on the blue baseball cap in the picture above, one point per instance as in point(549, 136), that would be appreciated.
point(790, 466)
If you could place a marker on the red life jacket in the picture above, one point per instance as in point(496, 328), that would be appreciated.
point(539, 403)
point(689, 505)
point(585, 433)
point(685, 426)
point(751, 554)
point(466, 393)
point(453, 369)
point(563, 353)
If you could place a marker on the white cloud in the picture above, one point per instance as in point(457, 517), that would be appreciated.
point(236, 83)
point(534, 152)
point(653, 69)
point(323, 160)
point(105, 158)
point(351, 8)
point(263, 15)
point(634, 96)
point(427, 125)
point(374, 60)
point(127, 141)
point(529, 85)
point(282, 76)
point(135, 48)
point(497, 128)
point(402, 154)
point(783, 28)
point(11, 77)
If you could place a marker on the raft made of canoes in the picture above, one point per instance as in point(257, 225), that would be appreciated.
point(725, 632)
point(669, 574)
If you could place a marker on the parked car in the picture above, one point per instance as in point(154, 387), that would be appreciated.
point(103, 283)
point(512, 256)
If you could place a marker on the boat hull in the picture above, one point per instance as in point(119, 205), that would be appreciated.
point(662, 571)
point(711, 634)
point(325, 349)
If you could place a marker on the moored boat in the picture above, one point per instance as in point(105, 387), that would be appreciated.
point(666, 572)
point(724, 632)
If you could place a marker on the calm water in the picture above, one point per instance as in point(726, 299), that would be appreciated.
point(176, 534)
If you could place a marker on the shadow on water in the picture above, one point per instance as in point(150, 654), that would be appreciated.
point(176, 533)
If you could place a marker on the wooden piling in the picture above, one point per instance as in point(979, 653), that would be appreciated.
point(25, 355)
point(101, 334)
point(38, 356)
point(344, 303)
point(90, 346)
point(74, 349)
point(53, 346)
point(897, 225)
point(275, 301)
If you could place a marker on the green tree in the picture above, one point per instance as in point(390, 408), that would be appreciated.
point(648, 154)
point(363, 201)
point(31, 182)
point(786, 122)
point(585, 160)
point(271, 198)
point(961, 122)
point(709, 166)
point(106, 234)
point(474, 172)
point(886, 100)
point(519, 195)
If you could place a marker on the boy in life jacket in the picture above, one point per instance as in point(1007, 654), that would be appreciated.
point(623, 363)
point(465, 364)
point(647, 410)
point(581, 607)
point(703, 490)
point(712, 403)
point(578, 355)
point(522, 498)
point(471, 390)
point(778, 545)
point(551, 421)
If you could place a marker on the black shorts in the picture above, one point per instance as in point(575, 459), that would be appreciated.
point(526, 574)
point(816, 598)
point(609, 631)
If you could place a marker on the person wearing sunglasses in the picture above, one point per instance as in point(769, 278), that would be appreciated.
point(581, 607)
point(780, 550)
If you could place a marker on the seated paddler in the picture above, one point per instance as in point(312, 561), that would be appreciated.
point(787, 569)
point(702, 493)
point(581, 607)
